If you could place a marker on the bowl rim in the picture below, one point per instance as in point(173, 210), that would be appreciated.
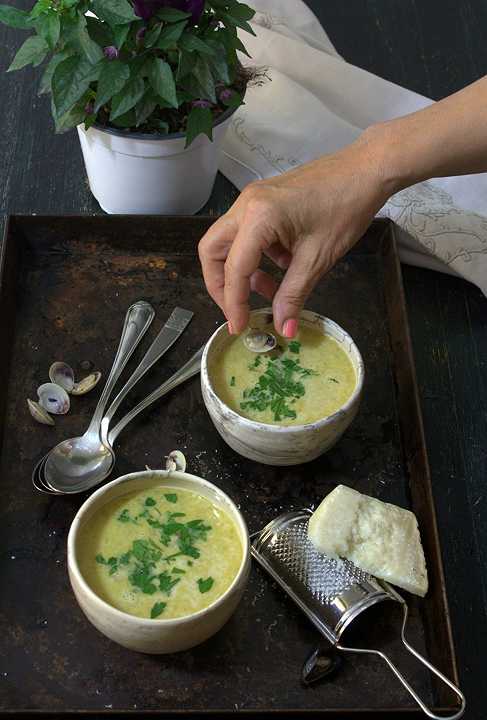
point(284, 429)
point(73, 566)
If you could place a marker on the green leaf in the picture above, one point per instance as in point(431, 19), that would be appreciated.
point(152, 35)
point(46, 80)
point(191, 42)
point(144, 108)
point(89, 47)
point(241, 11)
point(69, 120)
point(229, 19)
point(41, 7)
point(114, 76)
point(14, 18)
point(205, 585)
point(150, 502)
point(200, 120)
point(157, 609)
point(70, 81)
point(170, 35)
point(172, 15)
point(114, 12)
point(127, 120)
point(120, 33)
point(32, 52)
point(171, 497)
point(202, 73)
point(99, 31)
point(219, 64)
point(185, 64)
point(127, 98)
point(48, 26)
point(162, 81)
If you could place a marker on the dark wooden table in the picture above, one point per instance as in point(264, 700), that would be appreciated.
point(434, 47)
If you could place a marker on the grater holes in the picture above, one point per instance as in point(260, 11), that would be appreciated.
point(324, 577)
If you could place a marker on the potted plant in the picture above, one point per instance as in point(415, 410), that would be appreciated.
point(150, 85)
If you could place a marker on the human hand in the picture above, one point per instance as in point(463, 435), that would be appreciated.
point(303, 220)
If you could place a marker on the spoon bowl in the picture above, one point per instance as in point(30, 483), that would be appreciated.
point(76, 463)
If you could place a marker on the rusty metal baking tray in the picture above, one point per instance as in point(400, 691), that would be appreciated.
point(65, 285)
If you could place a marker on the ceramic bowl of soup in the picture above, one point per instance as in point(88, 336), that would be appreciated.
point(158, 562)
point(287, 406)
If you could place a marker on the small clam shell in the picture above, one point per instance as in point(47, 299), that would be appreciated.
point(87, 384)
point(258, 341)
point(176, 461)
point(53, 398)
point(63, 375)
point(38, 413)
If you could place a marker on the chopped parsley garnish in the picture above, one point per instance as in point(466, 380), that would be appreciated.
point(279, 385)
point(166, 582)
point(125, 517)
point(205, 585)
point(333, 380)
point(157, 609)
point(148, 563)
point(294, 346)
point(256, 363)
point(232, 381)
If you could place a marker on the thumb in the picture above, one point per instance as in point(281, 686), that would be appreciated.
point(301, 277)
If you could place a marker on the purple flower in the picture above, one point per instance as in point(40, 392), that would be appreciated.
point(145, 9)
point(201, 103)
point(110, 52)
point(225, 95)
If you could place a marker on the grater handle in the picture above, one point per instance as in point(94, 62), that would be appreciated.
point(403, 680)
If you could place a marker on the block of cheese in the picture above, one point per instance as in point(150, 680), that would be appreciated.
point(378, 537)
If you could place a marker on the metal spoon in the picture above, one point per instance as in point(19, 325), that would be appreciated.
point(103, 464)
point(259, 341)
point(80, 457)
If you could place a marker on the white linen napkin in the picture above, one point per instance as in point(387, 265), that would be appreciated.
point(315, 103)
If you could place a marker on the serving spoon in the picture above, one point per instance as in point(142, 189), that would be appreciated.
point(102, 454)
point(76, 460)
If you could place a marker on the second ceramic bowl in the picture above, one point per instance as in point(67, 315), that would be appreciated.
point(272, 444)
point(146, 635)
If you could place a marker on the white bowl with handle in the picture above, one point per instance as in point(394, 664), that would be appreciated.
point(274, 444)
point(157, 636)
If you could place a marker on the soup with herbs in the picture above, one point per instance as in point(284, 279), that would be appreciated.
point(300, 381)
point(160, 553)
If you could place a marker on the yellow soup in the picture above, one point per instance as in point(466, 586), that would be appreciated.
point(160, 552)
point(301, 381)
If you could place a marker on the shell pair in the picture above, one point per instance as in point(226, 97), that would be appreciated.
point(54, 396)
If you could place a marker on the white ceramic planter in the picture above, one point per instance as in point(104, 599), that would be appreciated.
point(146, 635)
point(271, 444)
point(130, 173)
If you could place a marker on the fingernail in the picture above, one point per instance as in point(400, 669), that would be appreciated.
point(230, 328)
point(290, 328)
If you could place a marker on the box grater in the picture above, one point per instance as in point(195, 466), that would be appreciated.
point(331, 592)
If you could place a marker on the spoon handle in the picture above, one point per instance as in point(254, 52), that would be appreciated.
point(137, 320)
point(169, 333)
point(191, 368)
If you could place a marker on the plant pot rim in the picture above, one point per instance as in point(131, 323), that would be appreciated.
point(155, 136)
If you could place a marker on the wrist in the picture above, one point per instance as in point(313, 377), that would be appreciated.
point(391, 152)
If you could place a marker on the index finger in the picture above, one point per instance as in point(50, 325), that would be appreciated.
point(213, 250)
point(242, 261)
